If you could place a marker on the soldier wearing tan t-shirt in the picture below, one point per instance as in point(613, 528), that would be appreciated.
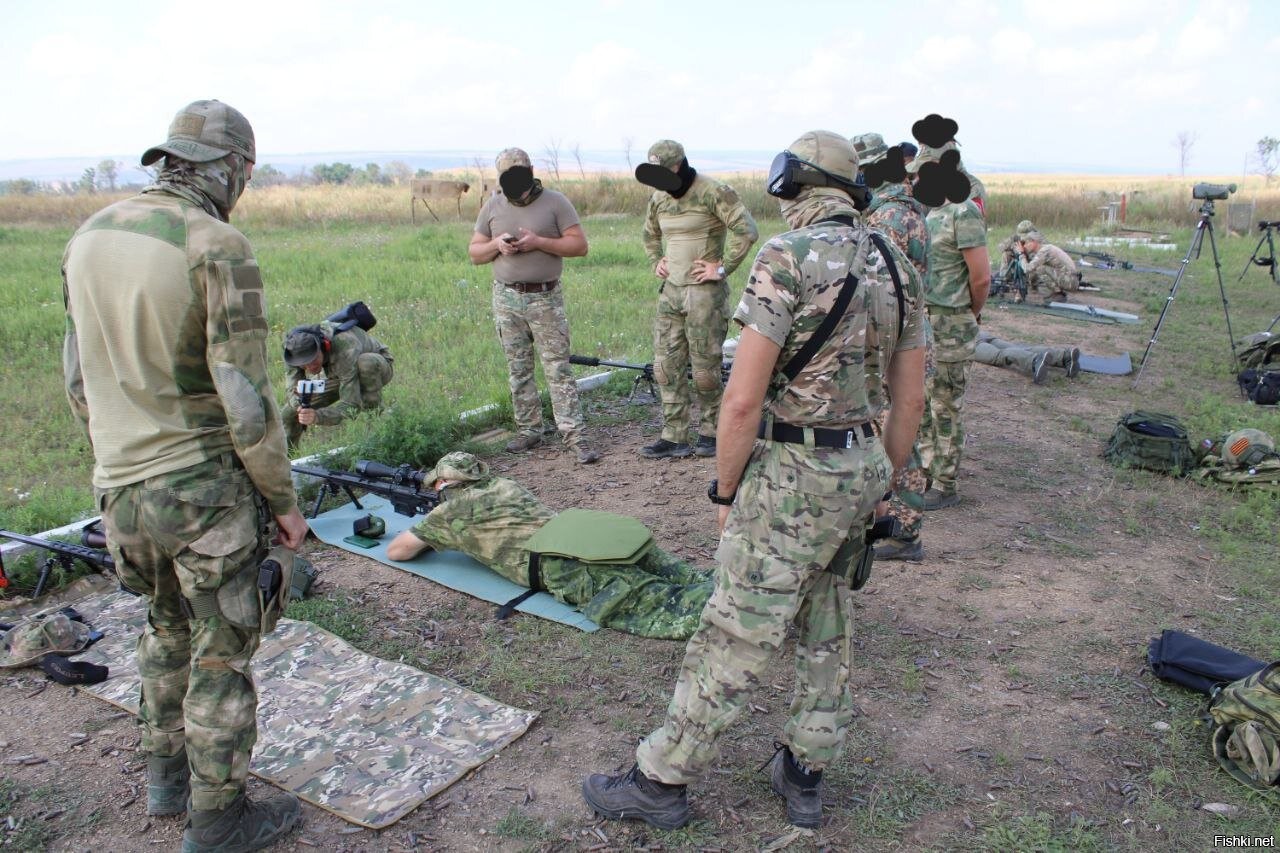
point(525, 231)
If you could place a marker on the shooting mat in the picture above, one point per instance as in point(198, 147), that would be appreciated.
point(448, 568)
point(364, 738)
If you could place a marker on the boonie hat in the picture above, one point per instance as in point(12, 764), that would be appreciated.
point(40, 635)
point(869, 147)
point(301, 346)
point(204, 131)
point(929, 154)
point(460, 466)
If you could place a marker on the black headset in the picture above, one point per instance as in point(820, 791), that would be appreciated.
point(789, 174)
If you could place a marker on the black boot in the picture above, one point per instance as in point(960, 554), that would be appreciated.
point(242, 826)
point(168, 783)
point(634, 796)
point(799, 788)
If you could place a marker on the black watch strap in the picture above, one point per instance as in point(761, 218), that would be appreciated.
point(713, 492)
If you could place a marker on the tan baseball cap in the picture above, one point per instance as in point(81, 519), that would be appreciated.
point(509, 157)
point(204, 131)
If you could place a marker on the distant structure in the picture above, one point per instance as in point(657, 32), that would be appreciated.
point(425, 189)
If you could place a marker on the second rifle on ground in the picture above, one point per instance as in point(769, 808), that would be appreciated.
point(646, 372)
point(93, 552)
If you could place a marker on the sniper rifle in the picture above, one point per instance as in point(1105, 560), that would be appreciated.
point(1009, 281)
point(402, 486)
point(646, 371)
point(93, 552)
point(1104, 261)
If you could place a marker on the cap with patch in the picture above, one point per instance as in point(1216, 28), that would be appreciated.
point(301, 346)
point(666, 153)
point(38, 636)
point(204, 131)
point(829, 151)
point(509, 157)
point(459, 466)
point(869, 147)
point(929, 154)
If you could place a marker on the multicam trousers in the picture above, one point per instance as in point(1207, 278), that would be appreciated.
point(688, 332)
point(526, 319)
point(178, 535)
point(792, 537)
point(955, 332)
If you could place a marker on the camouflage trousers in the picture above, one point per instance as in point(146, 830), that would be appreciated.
point(173, 536)
point(688, 334)
point(659, 596)
point(1001, 353)
point(941, 440)
point(1053, 280)
point(526, 319)
point(792, 538)
point(373, 372)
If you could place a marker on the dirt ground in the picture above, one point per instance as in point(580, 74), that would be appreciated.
point(999, 683)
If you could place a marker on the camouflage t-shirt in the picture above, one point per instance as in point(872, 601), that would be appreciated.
point(896, 213)
point(489, 520)
point(952, 228)
point(694, 227)
point(794, 284)
point(343, 397)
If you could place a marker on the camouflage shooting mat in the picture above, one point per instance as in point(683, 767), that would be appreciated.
point(364, 738)
point(448, 568)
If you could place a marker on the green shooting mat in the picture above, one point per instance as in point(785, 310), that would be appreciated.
point(358, 736)
point(448, 568)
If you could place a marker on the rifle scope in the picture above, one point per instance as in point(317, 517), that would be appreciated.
point(1212, 192)
point(402, 475)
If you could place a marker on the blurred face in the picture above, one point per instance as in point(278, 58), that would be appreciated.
point(1032, 246)
point(316, 365)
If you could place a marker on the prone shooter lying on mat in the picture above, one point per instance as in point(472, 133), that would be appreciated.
point(608, 565)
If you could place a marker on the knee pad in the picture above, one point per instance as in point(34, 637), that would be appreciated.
point(706, 380)
point(660, 375)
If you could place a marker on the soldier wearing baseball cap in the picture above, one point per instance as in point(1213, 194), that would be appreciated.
point(526, 231)
point(189, 460)
point(799, 410)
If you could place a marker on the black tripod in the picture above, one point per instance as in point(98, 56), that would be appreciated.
point(1268, 261)
point(1197, 241)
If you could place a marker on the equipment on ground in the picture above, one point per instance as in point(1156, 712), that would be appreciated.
point(92, 552)
point(1010, 280)
point(1117, 365)
point(1247, 739)
point(1260, 386)
point(1154, 441)
point(402, 486)
point(1104, 261)
point(355, 314)
point(646, 372)
point(1209, 193)
point(1197, 664)
point(1268, 261)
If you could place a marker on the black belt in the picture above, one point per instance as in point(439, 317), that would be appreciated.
point(836, 438)
point(532, 286)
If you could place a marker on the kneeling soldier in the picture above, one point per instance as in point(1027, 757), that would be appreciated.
point(355, 366)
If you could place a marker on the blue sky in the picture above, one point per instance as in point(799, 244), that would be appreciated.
point(1082, 85)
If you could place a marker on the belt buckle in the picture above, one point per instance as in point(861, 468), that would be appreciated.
point(848, 440)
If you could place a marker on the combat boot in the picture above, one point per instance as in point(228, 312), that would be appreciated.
point(242, 826)
point(524, 441)
point(634, 796)
point(705, 446)
point(800, 788)
point(662, 449)
point(935, 499)
point(168, 783)
point(896, 549)
point(1040, 368)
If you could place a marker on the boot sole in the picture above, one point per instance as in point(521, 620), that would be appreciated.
point(673, 454)
point(634, 814)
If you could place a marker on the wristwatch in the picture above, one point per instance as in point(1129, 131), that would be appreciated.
point(713, 493)
point(720, 270)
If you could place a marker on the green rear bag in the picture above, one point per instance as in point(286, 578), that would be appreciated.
point(1151, 440)
point(1247, 739)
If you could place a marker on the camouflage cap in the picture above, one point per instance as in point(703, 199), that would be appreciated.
point(1025, 227)
point(829, 151)
point(1033, 234)
point(204, 131)
point(1247, 447)
point(459, 466)
point(929, 154)
point(41, 635)
point(302, 345)
point(869, 147)
point(509, 157)
point(666, 153)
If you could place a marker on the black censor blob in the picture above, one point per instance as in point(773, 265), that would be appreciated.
point(658, 177)
point(890, 169)
point(941, 182)
point(516, 181)
point(934, 130)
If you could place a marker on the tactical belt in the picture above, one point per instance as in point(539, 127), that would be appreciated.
point(535, 586)
point(835, 438)
point(532, 286)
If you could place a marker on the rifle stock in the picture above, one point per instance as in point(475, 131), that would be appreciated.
point(401, 486)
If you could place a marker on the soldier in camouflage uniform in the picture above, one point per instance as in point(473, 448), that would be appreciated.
point(685, 233)
point(794, 521)
point(526, 231)
point(1010, 248)
point(956, 290)
point(491, 519)
point(166, 366)
point(896, 213)
point(355, 366)
point(1029, 359)
point(1048, 268)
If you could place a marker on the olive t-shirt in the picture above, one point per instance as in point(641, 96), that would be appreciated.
point(549, 215)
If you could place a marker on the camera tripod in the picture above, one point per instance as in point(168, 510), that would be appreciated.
point(1269, 261)
point(1205, 225)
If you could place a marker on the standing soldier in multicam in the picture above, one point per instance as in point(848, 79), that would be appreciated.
point(526, 231)
point(795, 507)
point(959, 279)
point(689, 220)
point(355, 364)
point(896, 213)
point(166, 365)
point(1048, 267)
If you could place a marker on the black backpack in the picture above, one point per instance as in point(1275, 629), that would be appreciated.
point(1260, 386)
point(355, 314)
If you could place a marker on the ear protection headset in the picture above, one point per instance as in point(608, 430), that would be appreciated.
point(789, 174)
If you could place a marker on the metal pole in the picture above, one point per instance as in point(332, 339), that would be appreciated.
point(1155, 332)
point(1226, 311)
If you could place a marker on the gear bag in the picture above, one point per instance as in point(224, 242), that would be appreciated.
point(1197, 664)
point(1246, 741)
point(355, 314)
point(1151, 440)
point(1260, 386)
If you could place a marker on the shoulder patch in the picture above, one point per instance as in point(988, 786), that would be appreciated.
point(727, 194)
